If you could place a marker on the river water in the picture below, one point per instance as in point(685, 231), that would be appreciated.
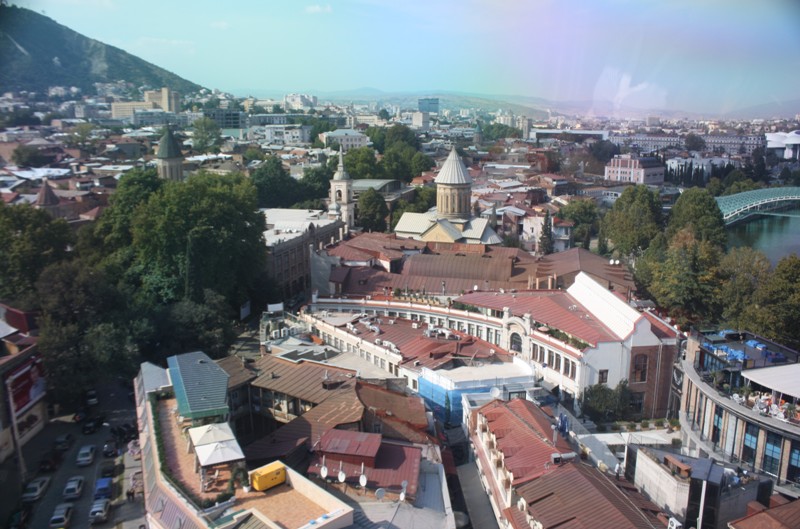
point(775, 236)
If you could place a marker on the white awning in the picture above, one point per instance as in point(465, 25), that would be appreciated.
point(780, 379)
point(211, 433)
point(216, 453)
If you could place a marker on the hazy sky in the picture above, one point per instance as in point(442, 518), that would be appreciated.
point(695, 55)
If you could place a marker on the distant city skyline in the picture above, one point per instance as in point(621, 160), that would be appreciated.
point(711, 57)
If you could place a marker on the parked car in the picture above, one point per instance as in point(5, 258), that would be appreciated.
point(91, 397)
point(104, 489)
point(99, 511)
point(50, 461)
point(74, 488)
point(63, 442)
point(85, 456)
point(108, 470)
point(110, 448)
point(62, 515)
point(80, 415)
point(35, 489)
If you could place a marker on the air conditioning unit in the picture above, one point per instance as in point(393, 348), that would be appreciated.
point(276, 334)
point(378, 342)
point(674, 524)
point(415, 325)
point(284, 332)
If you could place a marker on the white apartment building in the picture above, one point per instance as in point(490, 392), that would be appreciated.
point(630, 168)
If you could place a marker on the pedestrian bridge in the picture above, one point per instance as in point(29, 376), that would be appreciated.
point(741, 205)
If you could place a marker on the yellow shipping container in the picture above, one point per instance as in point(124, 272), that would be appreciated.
point(268, 476)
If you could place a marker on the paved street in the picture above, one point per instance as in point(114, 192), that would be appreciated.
point(115, 403)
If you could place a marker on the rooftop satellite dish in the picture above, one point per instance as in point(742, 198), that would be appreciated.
point(404, 484)
point(495, 392)
point(342, 476)
point(403, 496)
point(362, 480)
point(380, 493)
point(323, 472)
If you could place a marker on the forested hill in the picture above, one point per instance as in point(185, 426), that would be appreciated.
point(37, 52)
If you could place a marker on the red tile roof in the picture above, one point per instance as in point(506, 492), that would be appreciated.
point(581, 497)
point(394, 463)
point(342, 442)
point(786, 516)
point(524, 436)
point(557, 309)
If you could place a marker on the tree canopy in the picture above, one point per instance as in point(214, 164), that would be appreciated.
point(32, 240)
point(693, 142)
point(634, 220)
point(697, 210)
point(372, 211)
point(206, 137)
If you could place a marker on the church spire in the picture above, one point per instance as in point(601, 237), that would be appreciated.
point(341, 173)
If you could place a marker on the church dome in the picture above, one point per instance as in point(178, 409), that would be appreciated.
point(453, 171)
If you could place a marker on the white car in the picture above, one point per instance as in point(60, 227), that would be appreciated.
point(85, 456)
point(35, 489)
point(62, 515)
point(74, 488)
point(99, 511)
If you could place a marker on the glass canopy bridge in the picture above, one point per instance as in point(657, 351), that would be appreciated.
point(741, 205)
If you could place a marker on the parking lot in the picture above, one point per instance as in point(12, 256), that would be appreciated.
point(117, 407)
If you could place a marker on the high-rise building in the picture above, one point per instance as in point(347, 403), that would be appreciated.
point(165, 98)
point(428, 104)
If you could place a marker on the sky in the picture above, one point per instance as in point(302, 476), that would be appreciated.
point(707, 56)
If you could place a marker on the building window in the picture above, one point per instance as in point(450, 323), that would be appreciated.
point(640, 368)
point(772, 454)
point(557, 365)
point(516, 342)
point(550, 357)
point(793, 472)
point(715, 431)
point(637, 402)
point(603, 377)
point(750, 441)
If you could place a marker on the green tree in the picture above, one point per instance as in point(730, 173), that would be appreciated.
point(277, 109)
point(686, 281)
point(585, 215)
point(742, 186)
point(742, 271)
point(372, 211)
point(361, 163)
point(275, 187)
point(604, 151)
point(32, 240)
point(231, 243)
point(396, 162)
point(316, 182)
point(421, 163)
point(546, 244)
point(698, 211)
point(693, 142)
point(205, 325)
point(634, 220)
point(134, 188)
point(25, 156)
point(206, 136)
point(384, 114)
point(775, 310)
point(253, 153)
point(497, 131)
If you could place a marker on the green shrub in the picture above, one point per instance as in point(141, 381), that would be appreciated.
point(645, 424)
point(676, 443)
point(615, 427)
point(601, 428)
point(631, 426)
point(659, 423)
point(674, 423)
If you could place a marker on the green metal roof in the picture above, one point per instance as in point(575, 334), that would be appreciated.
point(168, 146)
point(733, 206)
point(200, 385)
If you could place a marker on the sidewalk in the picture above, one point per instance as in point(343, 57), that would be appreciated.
point(127, 514)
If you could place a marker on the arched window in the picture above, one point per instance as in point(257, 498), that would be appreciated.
point(516, 342)
point(640, 368)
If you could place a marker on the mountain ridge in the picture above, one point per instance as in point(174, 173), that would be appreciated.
point(37, 52)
